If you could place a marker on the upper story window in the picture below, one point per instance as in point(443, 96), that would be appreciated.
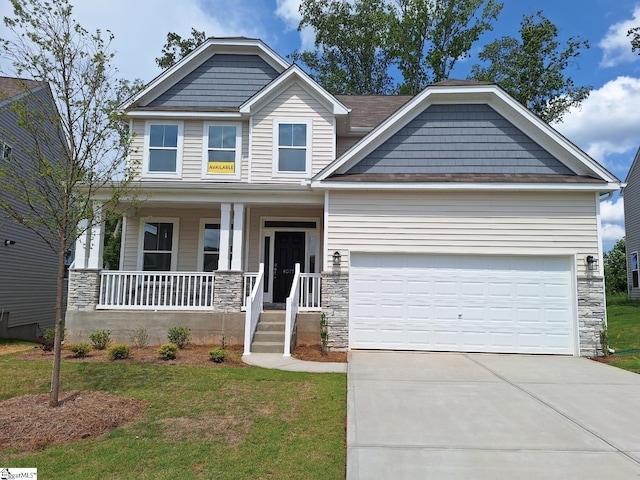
point(222, 151)
point(163, 149)
point(292, 148)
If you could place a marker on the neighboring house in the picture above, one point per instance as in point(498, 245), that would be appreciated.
point(28, 267)
point(455, 220)
point(632, 226)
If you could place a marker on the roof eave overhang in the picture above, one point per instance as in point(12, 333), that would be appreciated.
point(454, 186)
point(182, 114)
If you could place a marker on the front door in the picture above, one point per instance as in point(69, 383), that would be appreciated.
point(288, 250)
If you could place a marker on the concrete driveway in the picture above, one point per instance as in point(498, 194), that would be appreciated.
point(475, 416)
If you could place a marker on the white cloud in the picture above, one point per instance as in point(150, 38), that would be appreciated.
point(289, 12)
point(140, 27)
point(608, 122)
point(616, 45)
point(611, 232)
point(612, 212)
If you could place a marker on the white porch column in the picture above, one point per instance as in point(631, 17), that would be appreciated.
point(225, 227)
point(238, 221)
point(82, 243)
point(96, 239)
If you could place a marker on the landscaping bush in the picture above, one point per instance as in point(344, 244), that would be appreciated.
point(100, 339)
point(218, 355)
point(179, 336)
point(80, 350)
point(168, 351)
point(119, 352)
point(140, 336)
point(48, 337)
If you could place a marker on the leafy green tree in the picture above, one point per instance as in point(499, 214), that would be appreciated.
point(428, 37)
point(532, 68)
point(615, 268)
point(634, 33)
point(177, 47)
point(112, 240)
point(351, 55)
point(78, 148)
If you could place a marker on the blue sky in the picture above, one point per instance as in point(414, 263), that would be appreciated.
point(607, 126)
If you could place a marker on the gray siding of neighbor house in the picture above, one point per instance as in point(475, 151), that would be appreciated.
point(221, 81)
point(460, 139)
point(632, 220)
point(28, 269)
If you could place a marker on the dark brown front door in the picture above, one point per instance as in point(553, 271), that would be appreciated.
point(288, 250)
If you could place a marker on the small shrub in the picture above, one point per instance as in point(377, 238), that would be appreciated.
point(604, 342)
point(218, 355)
point(100, 339)
point(168, 351)
point(80, 350)
point(119, 352)
point(179, 336)
point(140, 336)
point(324, 334)
point(48, 338)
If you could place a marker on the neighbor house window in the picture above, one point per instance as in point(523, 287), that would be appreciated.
point(158, 246)
point(292, 147)
point(223, 150)
point(6, 150)
point(634, 269)
point(163, 149)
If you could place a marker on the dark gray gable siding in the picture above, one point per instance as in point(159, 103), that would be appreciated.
point(222, 81)
point(632, 220)
point(460, 139)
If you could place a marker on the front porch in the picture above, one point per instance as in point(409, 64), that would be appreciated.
point(213, 271)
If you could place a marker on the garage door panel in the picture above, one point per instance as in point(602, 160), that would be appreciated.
point(485, 304)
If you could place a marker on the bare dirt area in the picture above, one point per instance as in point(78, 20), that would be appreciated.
point(30, 424)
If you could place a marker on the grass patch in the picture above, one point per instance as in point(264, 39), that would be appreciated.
point(201, 422)
point(623, 317)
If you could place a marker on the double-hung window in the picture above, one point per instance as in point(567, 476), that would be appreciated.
point(292, 147)
point(163, 149)
point(223, 150)
point(634, 270)
point(6, 150)
point(210, 249)
point(158, 246)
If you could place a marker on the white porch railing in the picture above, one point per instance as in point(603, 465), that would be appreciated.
point(310, 292)
point(249, 280)
point(254, 303)
point(156, 290)
point(291, 311)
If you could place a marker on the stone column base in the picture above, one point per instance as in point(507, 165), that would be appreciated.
point(84, 290)
point(335, 305)
point(227, 291)
point(591, 314)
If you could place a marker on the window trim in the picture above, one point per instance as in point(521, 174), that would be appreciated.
point(635, 282)
point(174, 240)
point(205, 151)
point(200, 258)
point(276, 153)
point(179, 150)
point(3, 152)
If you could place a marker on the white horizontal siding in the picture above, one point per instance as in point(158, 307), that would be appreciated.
point(136, 149)
point(295, 102)
point(463, 223)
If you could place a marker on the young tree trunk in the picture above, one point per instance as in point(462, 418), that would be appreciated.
point(57, 345)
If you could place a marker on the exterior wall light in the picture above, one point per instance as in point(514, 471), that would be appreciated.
point(337, 259)
point(592, 262)
point(9, 242)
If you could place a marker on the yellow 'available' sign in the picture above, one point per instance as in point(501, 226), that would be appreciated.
point(221, 167)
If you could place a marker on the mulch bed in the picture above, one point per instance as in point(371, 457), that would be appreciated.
point(28, 423)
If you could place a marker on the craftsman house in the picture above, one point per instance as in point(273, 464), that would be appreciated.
point(454, 220)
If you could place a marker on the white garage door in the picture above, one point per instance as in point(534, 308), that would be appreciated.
point(461, 303)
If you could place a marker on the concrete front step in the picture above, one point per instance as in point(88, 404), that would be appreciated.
point(269, 336)
point(267, 347)
point(272, 316)
point(270, 326)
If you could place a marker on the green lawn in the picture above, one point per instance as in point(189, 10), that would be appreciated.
point(623, 318)
point(202, 422)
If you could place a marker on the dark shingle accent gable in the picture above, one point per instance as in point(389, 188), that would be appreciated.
point(460, 139)
point(223, 80)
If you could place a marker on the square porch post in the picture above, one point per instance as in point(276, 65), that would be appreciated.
point(96, 231)
point(225, 226)
point(238, 225)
